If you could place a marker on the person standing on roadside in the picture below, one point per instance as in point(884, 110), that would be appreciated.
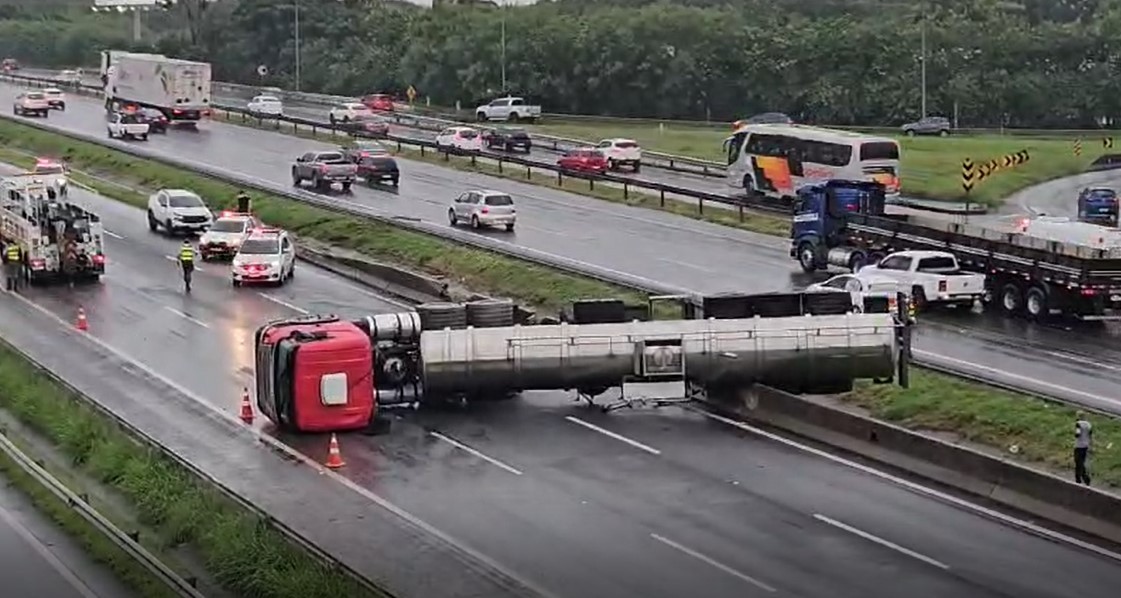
point(13, 262)
point(1083, 445)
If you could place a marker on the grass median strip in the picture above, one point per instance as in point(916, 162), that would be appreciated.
point(1018, 426)
point(976, 412)
point(242, 553)
point(767, 224)
point(931, 166)
point(479, 270)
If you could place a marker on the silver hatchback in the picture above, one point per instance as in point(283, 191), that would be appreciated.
point(483, 208)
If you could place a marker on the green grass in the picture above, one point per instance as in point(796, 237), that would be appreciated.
point(1042, 432)
point(130, 572)
point(743, 219)
point(931, 166)
point(239, 549)
point(481, 271)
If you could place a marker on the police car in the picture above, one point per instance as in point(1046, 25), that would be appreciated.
point(266, 255)
point(224, 236)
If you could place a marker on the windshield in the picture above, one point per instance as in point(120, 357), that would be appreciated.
point(228, 226)
point(1102, 194)
point(468, 134)
point(185, 201)
point(48, 169)
point(34, 96)
point(330, 157)
point(260, 247)
point(626, 144)
point(53, 92)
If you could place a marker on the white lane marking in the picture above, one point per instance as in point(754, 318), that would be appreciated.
point(610, 434)
point(463, 447)
point(187, 317)
point(681, 264)
point(47, 555)
point(172, 258)
point(112, 234)
point(278, 301)
point(713, 562)
point(277, 445)
point(998, 374)
point(882, 542)
point(918, 488)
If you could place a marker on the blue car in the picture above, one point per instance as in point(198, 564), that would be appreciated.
point(1098, 205)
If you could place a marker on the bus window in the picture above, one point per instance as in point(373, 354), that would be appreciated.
point(879, 150)
point(732, 146)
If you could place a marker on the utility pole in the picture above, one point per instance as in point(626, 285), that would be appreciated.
point(136, 24)
point(922, 63)
point(297, 9)
point(504, 90)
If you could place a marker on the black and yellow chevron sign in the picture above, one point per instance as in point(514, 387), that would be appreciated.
point(1078, 147)
point(986, 169)
point(1107, 142)
point(968, 175)
point(1015, 159)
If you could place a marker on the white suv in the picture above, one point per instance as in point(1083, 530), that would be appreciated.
point(31, 102)
point(266, 255)
point(178, 210)
point(350, 111)
point(464, 139)
point(621, 152)
point(484, 208)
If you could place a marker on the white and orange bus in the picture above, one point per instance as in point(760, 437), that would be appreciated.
point(776, 160)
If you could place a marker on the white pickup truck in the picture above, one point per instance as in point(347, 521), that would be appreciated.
point(509, 109)
point(932, 277)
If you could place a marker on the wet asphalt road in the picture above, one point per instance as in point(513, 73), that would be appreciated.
point(674, 504)
point(38, 559)
point(1076, 364)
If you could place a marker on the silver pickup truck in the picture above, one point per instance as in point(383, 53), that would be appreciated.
point(324, 169)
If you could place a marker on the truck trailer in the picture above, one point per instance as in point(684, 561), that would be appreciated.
point(180, 89)
point(1038, 268)
point(59, 239)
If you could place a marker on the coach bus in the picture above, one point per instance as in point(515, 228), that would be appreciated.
point(775, 160)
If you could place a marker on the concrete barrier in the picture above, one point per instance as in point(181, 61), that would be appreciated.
point(1003, 481)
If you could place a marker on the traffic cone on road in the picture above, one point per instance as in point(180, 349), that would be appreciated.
point(82, 324)
point(246, 407)
point(334, 459)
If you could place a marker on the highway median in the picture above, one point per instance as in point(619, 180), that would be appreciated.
point(992, 418)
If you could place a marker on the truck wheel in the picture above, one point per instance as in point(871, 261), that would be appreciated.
point(918, 295)
point(169, 228)
point(1035, 303)
point(452, 220)
point(857, 261)
point(509, 228)
point(875, 257)
point(513, 118)
point(475, 222)
point(296, 180)
point(481, 117)
point(807, 257)
point(1011, 299)
point(943, 133)
point(346, 187)
point(152, 224)
point(637, 167)
point(911, 133)
point(612, 166)
point(144, 137)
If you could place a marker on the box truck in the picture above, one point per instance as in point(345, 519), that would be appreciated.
point(178, 88)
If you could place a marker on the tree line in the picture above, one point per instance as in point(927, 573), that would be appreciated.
point(1037, 63)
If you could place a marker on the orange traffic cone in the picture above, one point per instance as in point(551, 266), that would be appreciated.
point(246, 407)
point(82, 324)
point(334, 459)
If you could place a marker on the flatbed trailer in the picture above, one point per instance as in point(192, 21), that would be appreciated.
point(1025, 275)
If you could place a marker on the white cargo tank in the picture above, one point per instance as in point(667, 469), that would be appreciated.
point(803, 353)
point(1065, 230)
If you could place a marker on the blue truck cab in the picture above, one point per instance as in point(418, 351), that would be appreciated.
point(817, 228)
point(1098, 205)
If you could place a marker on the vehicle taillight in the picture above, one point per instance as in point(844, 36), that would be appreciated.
point(323, 168)
point(485, 210)
point(365, 154)
point(1088, 292)
point(99, 259)
point(37, 264)
point(941, 286)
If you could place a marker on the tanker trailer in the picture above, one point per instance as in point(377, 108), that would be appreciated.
point(324, 373)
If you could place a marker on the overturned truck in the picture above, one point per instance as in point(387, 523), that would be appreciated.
point(323, 373)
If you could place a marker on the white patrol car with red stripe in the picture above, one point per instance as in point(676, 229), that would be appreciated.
point(225, 235)
point(266, 255)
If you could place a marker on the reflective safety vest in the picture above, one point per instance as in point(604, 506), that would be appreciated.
point(13, 254)
point(186, 254)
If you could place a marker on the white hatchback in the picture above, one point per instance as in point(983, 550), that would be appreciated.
point(350, 111)
point(464, 139)
point(484, 208)
point(621, 152)
point(265, 106)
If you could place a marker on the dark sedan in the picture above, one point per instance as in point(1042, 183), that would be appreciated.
point(157, 121)
point(507, 138)
point(369, 126)
point(379, 168)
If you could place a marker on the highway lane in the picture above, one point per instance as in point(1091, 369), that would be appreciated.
point(564, 503)
point(655, 245)
point(39, 560)
point(1059, 197)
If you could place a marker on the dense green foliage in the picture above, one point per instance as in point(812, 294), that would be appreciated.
point(1035, 63)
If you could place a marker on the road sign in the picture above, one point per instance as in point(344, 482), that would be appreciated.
point(967, 175)
point(411, 92)
point(263, 70)
point(1078, 147)
point(1107, 143)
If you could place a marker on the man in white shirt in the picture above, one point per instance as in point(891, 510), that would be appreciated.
point(1083, 444)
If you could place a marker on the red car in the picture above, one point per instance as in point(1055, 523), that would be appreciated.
point(583, 160)
point(379, 101)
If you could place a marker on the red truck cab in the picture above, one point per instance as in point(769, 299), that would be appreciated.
point(583, 160)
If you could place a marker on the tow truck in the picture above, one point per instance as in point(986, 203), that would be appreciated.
point(1037, 267)
point(47, 230)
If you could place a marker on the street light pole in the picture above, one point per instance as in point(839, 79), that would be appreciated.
point(504, 46)
point(923, 59)
point(297, 6)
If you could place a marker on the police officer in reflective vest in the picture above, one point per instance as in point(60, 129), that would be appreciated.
point(13, 259)
point(187, 262)
point(243, 202)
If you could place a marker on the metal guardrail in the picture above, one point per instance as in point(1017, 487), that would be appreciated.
point(144, 438)
point(739, 204)
point(83, 509)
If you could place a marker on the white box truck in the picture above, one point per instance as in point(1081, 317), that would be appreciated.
point(178, 88)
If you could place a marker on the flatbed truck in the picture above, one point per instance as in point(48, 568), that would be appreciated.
point(844, 224)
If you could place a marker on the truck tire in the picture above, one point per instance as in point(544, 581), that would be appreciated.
point(296, 180)
point(910, 132)
point(452, 220)
point(346, 187)
point(807, 257)
point(152, 224)
point(144, 137)
point(918, 296)
point(475, 224)
point(637, 167)
point(169, 228)
point(1011, 299)
point(943, 133)
point(857, 260)
point(1036, 303)
point(513, 118)
point(481, 117)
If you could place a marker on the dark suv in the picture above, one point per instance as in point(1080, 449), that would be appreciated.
point(507, 138)
point(930, 125)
